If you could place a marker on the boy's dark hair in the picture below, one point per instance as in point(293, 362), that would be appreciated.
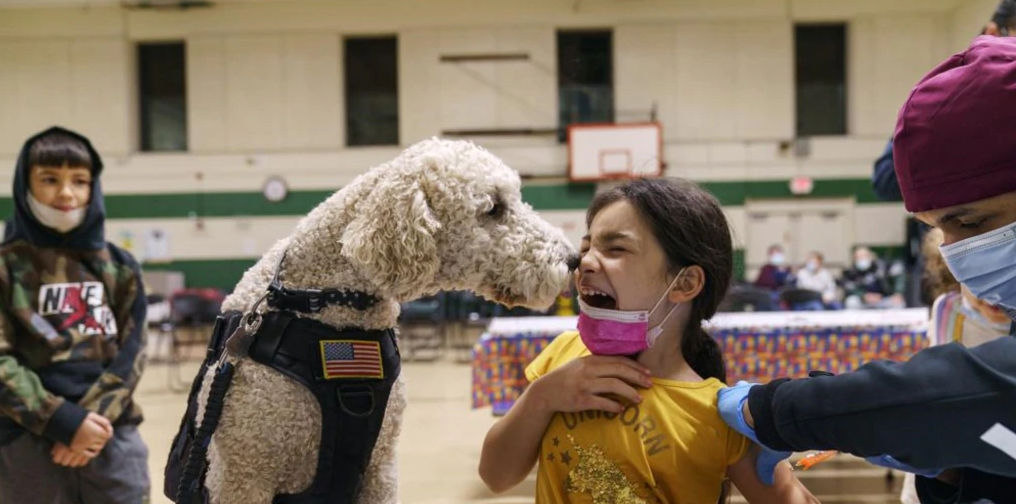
point(690, 226)
point(59, 149)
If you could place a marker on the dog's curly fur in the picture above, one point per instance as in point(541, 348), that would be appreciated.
point(443, 215)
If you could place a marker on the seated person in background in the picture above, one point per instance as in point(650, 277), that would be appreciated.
point(816, 277)
point(870, 283)
point(957, 316)
point(775, 274)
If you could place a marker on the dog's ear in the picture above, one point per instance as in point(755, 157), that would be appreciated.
point(391, 240)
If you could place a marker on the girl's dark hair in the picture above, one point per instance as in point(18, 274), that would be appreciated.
point(690, 226)
point(59, 149)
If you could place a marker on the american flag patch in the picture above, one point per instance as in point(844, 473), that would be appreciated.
point(351, 359)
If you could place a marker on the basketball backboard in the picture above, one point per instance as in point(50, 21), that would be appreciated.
point(614, 151)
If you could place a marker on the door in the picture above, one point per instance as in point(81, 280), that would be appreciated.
point(800, 226)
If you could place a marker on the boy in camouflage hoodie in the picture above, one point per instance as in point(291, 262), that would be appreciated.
point(72, 331)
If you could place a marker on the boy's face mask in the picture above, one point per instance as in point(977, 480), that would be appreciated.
point(58, 220)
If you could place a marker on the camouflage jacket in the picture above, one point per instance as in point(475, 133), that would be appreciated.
point(72, 336)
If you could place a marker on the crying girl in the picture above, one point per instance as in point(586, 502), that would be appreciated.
point(623, 410)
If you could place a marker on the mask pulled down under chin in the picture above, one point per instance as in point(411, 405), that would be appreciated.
point(618, 332)
point(611, 336)
point(54, 219)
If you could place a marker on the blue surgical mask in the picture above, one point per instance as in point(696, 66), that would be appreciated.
point(986, 264)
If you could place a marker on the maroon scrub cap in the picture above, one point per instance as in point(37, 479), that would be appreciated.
point(955, 139)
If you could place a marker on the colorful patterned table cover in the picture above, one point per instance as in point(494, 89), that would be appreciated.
point(758, 347)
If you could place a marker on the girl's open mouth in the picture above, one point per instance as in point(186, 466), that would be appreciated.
point(597, 299)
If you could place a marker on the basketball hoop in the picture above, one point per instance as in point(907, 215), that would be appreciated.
point(615, 162)
point(603, 152)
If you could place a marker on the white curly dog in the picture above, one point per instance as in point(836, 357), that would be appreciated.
point(443, 215)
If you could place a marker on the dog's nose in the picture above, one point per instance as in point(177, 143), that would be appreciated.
point(573, 262)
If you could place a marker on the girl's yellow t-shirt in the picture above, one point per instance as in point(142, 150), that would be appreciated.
point(672, 448)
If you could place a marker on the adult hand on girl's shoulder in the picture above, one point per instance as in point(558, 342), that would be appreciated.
point(593, 382)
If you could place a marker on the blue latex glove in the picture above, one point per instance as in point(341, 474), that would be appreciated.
point(891, 463)
point(730, 403)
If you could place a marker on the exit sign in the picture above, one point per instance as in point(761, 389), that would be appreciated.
point(801, 185)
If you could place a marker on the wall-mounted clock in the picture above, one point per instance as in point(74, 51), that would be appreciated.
point(275, 189)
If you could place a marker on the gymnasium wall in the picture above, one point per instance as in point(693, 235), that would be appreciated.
point(264, 84)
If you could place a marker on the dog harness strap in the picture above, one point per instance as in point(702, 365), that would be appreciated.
point(314, 300)
point(351, 373)
point(187, 435)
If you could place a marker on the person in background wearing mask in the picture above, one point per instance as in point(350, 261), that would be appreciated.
point(72, 334)
point(949, 413)
point(870, 283)
point(775, 274)
point(816, 277)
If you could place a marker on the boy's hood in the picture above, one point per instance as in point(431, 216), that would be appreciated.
point(89, 235)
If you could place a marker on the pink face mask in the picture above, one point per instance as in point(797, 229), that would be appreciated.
point(619, 332)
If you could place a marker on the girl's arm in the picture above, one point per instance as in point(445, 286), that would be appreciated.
point(512, 444)
point(786, 488)
point(586, 383)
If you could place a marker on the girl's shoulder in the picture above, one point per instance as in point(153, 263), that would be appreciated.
point(562, 349)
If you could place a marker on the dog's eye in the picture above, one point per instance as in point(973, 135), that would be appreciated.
point(496, 211)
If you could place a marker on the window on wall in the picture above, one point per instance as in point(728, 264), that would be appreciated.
point(821, 79)
point(372, 91)
point(585, 78)
point(163, 92)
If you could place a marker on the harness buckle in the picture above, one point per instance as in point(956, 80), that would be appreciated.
point(238, 344)
point(313, 299)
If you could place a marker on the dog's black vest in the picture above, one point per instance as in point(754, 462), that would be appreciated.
point(349, 371)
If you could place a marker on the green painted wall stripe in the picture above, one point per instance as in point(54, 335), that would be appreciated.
point(736, 193)
point(215, 273)
point(541, 197)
